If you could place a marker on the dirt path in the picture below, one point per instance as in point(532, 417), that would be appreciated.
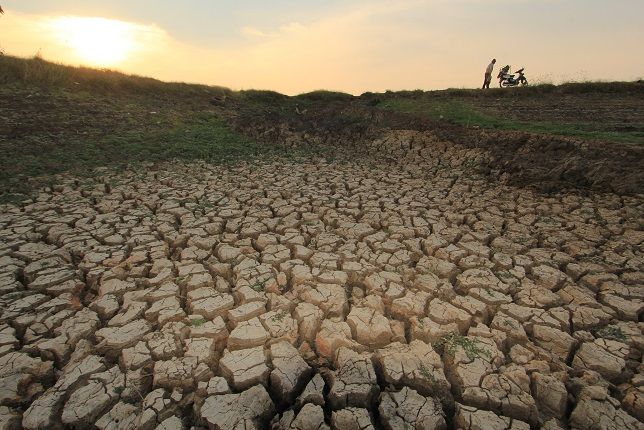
point(381, 292)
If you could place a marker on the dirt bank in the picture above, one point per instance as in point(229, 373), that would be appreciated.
point(540, 161)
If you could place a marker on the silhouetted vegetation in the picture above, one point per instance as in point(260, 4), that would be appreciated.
point(323, 95)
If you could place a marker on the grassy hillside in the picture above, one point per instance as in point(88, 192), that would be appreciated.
point(58, 119)
point(608, 112)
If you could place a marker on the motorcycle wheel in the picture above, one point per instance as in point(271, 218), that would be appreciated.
point(525, 82)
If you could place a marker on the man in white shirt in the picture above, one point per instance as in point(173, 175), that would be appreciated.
point(488, 74)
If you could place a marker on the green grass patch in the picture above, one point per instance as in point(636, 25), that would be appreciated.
point(45, 74)
point(258, 286)
point(462, 113)
point(451, 342)
point(198, 322)
point(613, 332)
point(427, 374)
point(60, 119)
point(567, 88)
point(199, 137)
point(279, 317)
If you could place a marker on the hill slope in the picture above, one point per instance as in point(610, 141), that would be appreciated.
point(57, 119)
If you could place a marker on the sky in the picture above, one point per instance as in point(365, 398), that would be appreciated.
point(296, 46)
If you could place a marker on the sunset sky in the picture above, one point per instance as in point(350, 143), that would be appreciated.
point(294, 46)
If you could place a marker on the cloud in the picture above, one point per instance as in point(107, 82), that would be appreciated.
point(252, 32)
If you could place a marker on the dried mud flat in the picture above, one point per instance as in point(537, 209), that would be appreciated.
point(347, 294)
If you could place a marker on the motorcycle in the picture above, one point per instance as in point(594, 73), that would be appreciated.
point(507, 79)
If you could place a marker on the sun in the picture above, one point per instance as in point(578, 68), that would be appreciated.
point(96, 41)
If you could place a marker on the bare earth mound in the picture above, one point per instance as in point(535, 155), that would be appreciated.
point(545, 162)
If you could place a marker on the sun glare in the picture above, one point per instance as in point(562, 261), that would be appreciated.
point(96, 41)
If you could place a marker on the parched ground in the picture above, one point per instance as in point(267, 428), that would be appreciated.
point(394, 291)
point(180, 256)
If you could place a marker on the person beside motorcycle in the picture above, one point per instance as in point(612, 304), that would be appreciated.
point(488, 74)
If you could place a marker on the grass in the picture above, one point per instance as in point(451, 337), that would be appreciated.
point(199, 136)
point(540, 89)
point(511, 324)
point(324, 95)
point(451, 342)
point(262, 96)
point(279, 317)
point(258, 286)
point(612, 332)
point(465, 113)
point(60, 119)
point(46, 75)
point(427, 374)
point(198, 322)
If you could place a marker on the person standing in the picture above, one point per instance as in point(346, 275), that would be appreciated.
point(488, 74)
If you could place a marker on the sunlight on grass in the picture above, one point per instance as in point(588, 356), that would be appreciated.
point(200, 137)
point(462, 113)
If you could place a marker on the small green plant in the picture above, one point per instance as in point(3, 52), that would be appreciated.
point(202, 206)
point(425, 372)
point(611, 331)
point(429, 376)
point(119, 390)
point(510, 324)
point(548, 220)
point(13, 296)
point(309, 223)
point(279, 317)
point(450, 342)
point(596, 216)
point(198, 322)
point(490, 292)
point(258, 286)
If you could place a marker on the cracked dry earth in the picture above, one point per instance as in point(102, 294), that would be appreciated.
point(317, 295)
